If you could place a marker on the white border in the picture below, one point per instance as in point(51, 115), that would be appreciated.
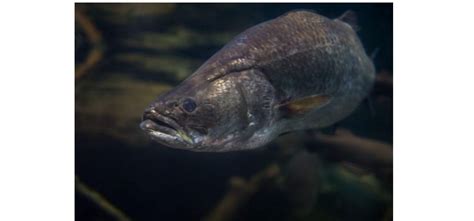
point(433, 113)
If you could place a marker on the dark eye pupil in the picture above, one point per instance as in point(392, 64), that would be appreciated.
point(189, 105)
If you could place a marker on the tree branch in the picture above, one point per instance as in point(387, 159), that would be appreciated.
point(100, 201)
point(240, 192)
point(345, 146)
point(95, 38)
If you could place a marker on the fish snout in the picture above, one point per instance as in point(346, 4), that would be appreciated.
point(165, 108)
point(149, 113)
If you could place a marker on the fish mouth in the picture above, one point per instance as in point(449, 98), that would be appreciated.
point(165, 130)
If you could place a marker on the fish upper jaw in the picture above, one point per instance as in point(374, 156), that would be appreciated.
point(165, 130)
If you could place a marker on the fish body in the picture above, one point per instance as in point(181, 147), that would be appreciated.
point(298, 71)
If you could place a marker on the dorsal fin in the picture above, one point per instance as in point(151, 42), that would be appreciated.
point(349, 17)
point(374, 54)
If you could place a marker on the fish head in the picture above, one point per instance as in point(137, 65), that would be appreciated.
point(202, 115)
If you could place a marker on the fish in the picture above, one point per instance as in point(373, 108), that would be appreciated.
point(298, 71)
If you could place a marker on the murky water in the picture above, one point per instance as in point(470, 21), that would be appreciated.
point(127, 54)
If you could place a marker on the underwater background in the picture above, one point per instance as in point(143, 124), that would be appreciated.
point(127, 54)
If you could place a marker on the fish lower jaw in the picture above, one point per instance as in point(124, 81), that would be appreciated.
point(166, 135)
point(170, 140)
point(160, 136)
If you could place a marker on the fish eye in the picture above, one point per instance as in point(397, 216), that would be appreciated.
point(189, 105)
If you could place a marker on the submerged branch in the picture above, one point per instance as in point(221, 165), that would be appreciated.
point(345, 146)
point(240, 192)
point(100, 201)
point(95, 38)
point(383, 84)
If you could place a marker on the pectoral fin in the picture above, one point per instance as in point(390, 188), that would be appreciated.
point(303, 105)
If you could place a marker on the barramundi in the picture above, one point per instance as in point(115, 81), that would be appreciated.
point(298, 71)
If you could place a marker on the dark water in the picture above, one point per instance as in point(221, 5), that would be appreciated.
point(149, 48)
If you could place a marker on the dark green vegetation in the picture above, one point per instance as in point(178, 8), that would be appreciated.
point(146, 49)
